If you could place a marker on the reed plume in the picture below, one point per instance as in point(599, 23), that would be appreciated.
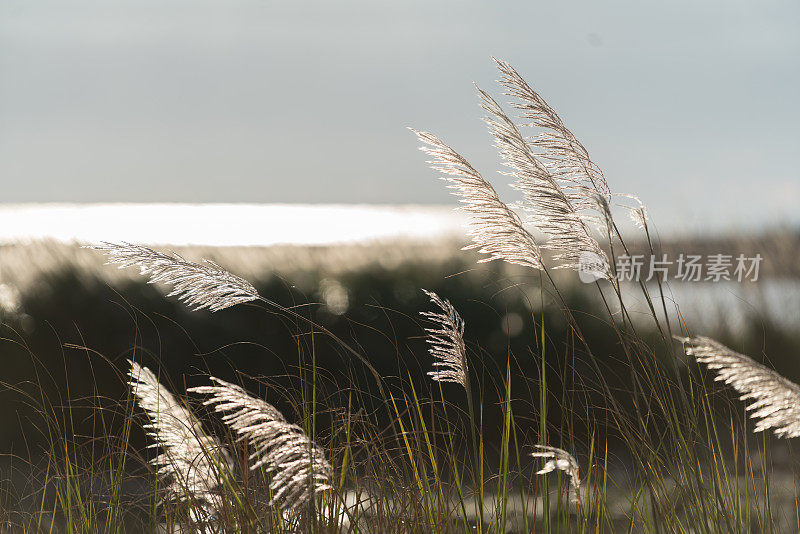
point(191, 461)
point(638, 214)
point(640, 217)
point(552, 211)
point(495, 228)
point(776, 400)
point(198, 285)
point(298, 467)
point(559, 459)
point(446, 342)
point(559, 150)
point(205, 285)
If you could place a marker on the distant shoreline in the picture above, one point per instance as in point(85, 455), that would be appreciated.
point(260, 225)
point(227, 224)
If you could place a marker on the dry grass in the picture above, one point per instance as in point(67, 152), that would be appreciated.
point(401, 457)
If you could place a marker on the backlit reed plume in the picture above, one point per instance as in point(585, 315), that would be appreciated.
point(495, 228)
point(446, 342)
point(205, 285)
point(560, 151)
point(776, 400)
point(638, 214)
point(189, 460)
point(297, 466)
point(552, 211)
point(559, 459)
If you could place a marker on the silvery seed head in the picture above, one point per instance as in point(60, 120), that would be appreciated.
point(775, 400)
point(297, 466)
point(199, 286)
point(191, 462)
point(446, 342)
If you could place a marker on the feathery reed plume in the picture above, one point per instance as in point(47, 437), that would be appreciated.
point(199, 285)
point(776, 400)
point(559, 459)
point(552, 210)
point(298, 467)
point(496, 229)
point(638, 214)
point(192, 461)
point(446, 342)
point(562, 153)
point(206, 286)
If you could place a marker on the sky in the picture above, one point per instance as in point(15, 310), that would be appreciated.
point(690, 105)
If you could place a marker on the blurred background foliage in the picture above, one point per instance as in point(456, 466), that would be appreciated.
point(70, 330)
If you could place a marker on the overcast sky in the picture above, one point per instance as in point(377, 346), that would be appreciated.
point(691, 105)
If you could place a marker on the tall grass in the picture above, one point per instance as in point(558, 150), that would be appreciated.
point(401, 455)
